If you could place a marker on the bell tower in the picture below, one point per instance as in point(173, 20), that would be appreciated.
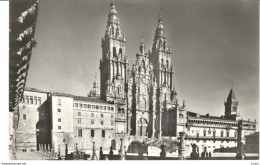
point(161, 57)
point(114, 63)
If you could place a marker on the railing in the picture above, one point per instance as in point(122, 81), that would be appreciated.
point(210, 137)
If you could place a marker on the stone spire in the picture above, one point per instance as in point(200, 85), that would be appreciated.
point(113, 26)
point(160, 42)
point(231, 96)
point(142, 45)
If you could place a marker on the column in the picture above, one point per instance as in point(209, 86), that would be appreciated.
point(182, 146)
point(129, 121)
point(153, 124)
point(240, 146)
point(111, 71)
point(94, 156)
point(121, 151)
point(160, 125)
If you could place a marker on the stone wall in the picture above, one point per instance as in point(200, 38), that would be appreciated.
point(28, 117)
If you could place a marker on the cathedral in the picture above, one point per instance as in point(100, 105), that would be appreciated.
point(131, 103)
point(145, 92)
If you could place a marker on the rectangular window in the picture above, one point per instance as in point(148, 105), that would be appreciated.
point(59, 101)
point(39, 101)
point(108, 108)
point(80, 105)
point(102, 115)
point(93, 106)
point(97, 107)
point(103, 133)
point(23, 99)
point(59, 119)
point(112, 122)
point(35, 100)
point(89, 106)
point(101, 107)
point(227, 134)
point(92, 121)
point(59, 127)
point(105, 108)
point(92, 133)
point(80, 132)
point(102, 122)
point(24, 116)
point(112, 116)
point(76, 104)
point(79, 113)
point(59, 110)
point(112, 108)
point(85, 106)
point(23, 107)
point(79, 121)
point(92, 114)
point(31, 100)
point(27, 99)
point(222, 133)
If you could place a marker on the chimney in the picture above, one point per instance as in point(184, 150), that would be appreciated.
point(207, 115)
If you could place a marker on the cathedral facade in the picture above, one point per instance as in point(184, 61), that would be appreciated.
point(145, 91)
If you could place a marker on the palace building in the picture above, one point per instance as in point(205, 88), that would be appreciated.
point(131, 103)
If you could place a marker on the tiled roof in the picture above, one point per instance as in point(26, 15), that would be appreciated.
point(34, 90)
point(91, 99)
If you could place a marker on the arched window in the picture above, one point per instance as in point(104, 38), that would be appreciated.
point(119, 89)
point(114, 51)
point(142, 128)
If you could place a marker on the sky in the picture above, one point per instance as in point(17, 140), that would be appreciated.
point(214, 43)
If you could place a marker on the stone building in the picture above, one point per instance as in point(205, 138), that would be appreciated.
point(133, 104)
point(212, 132)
